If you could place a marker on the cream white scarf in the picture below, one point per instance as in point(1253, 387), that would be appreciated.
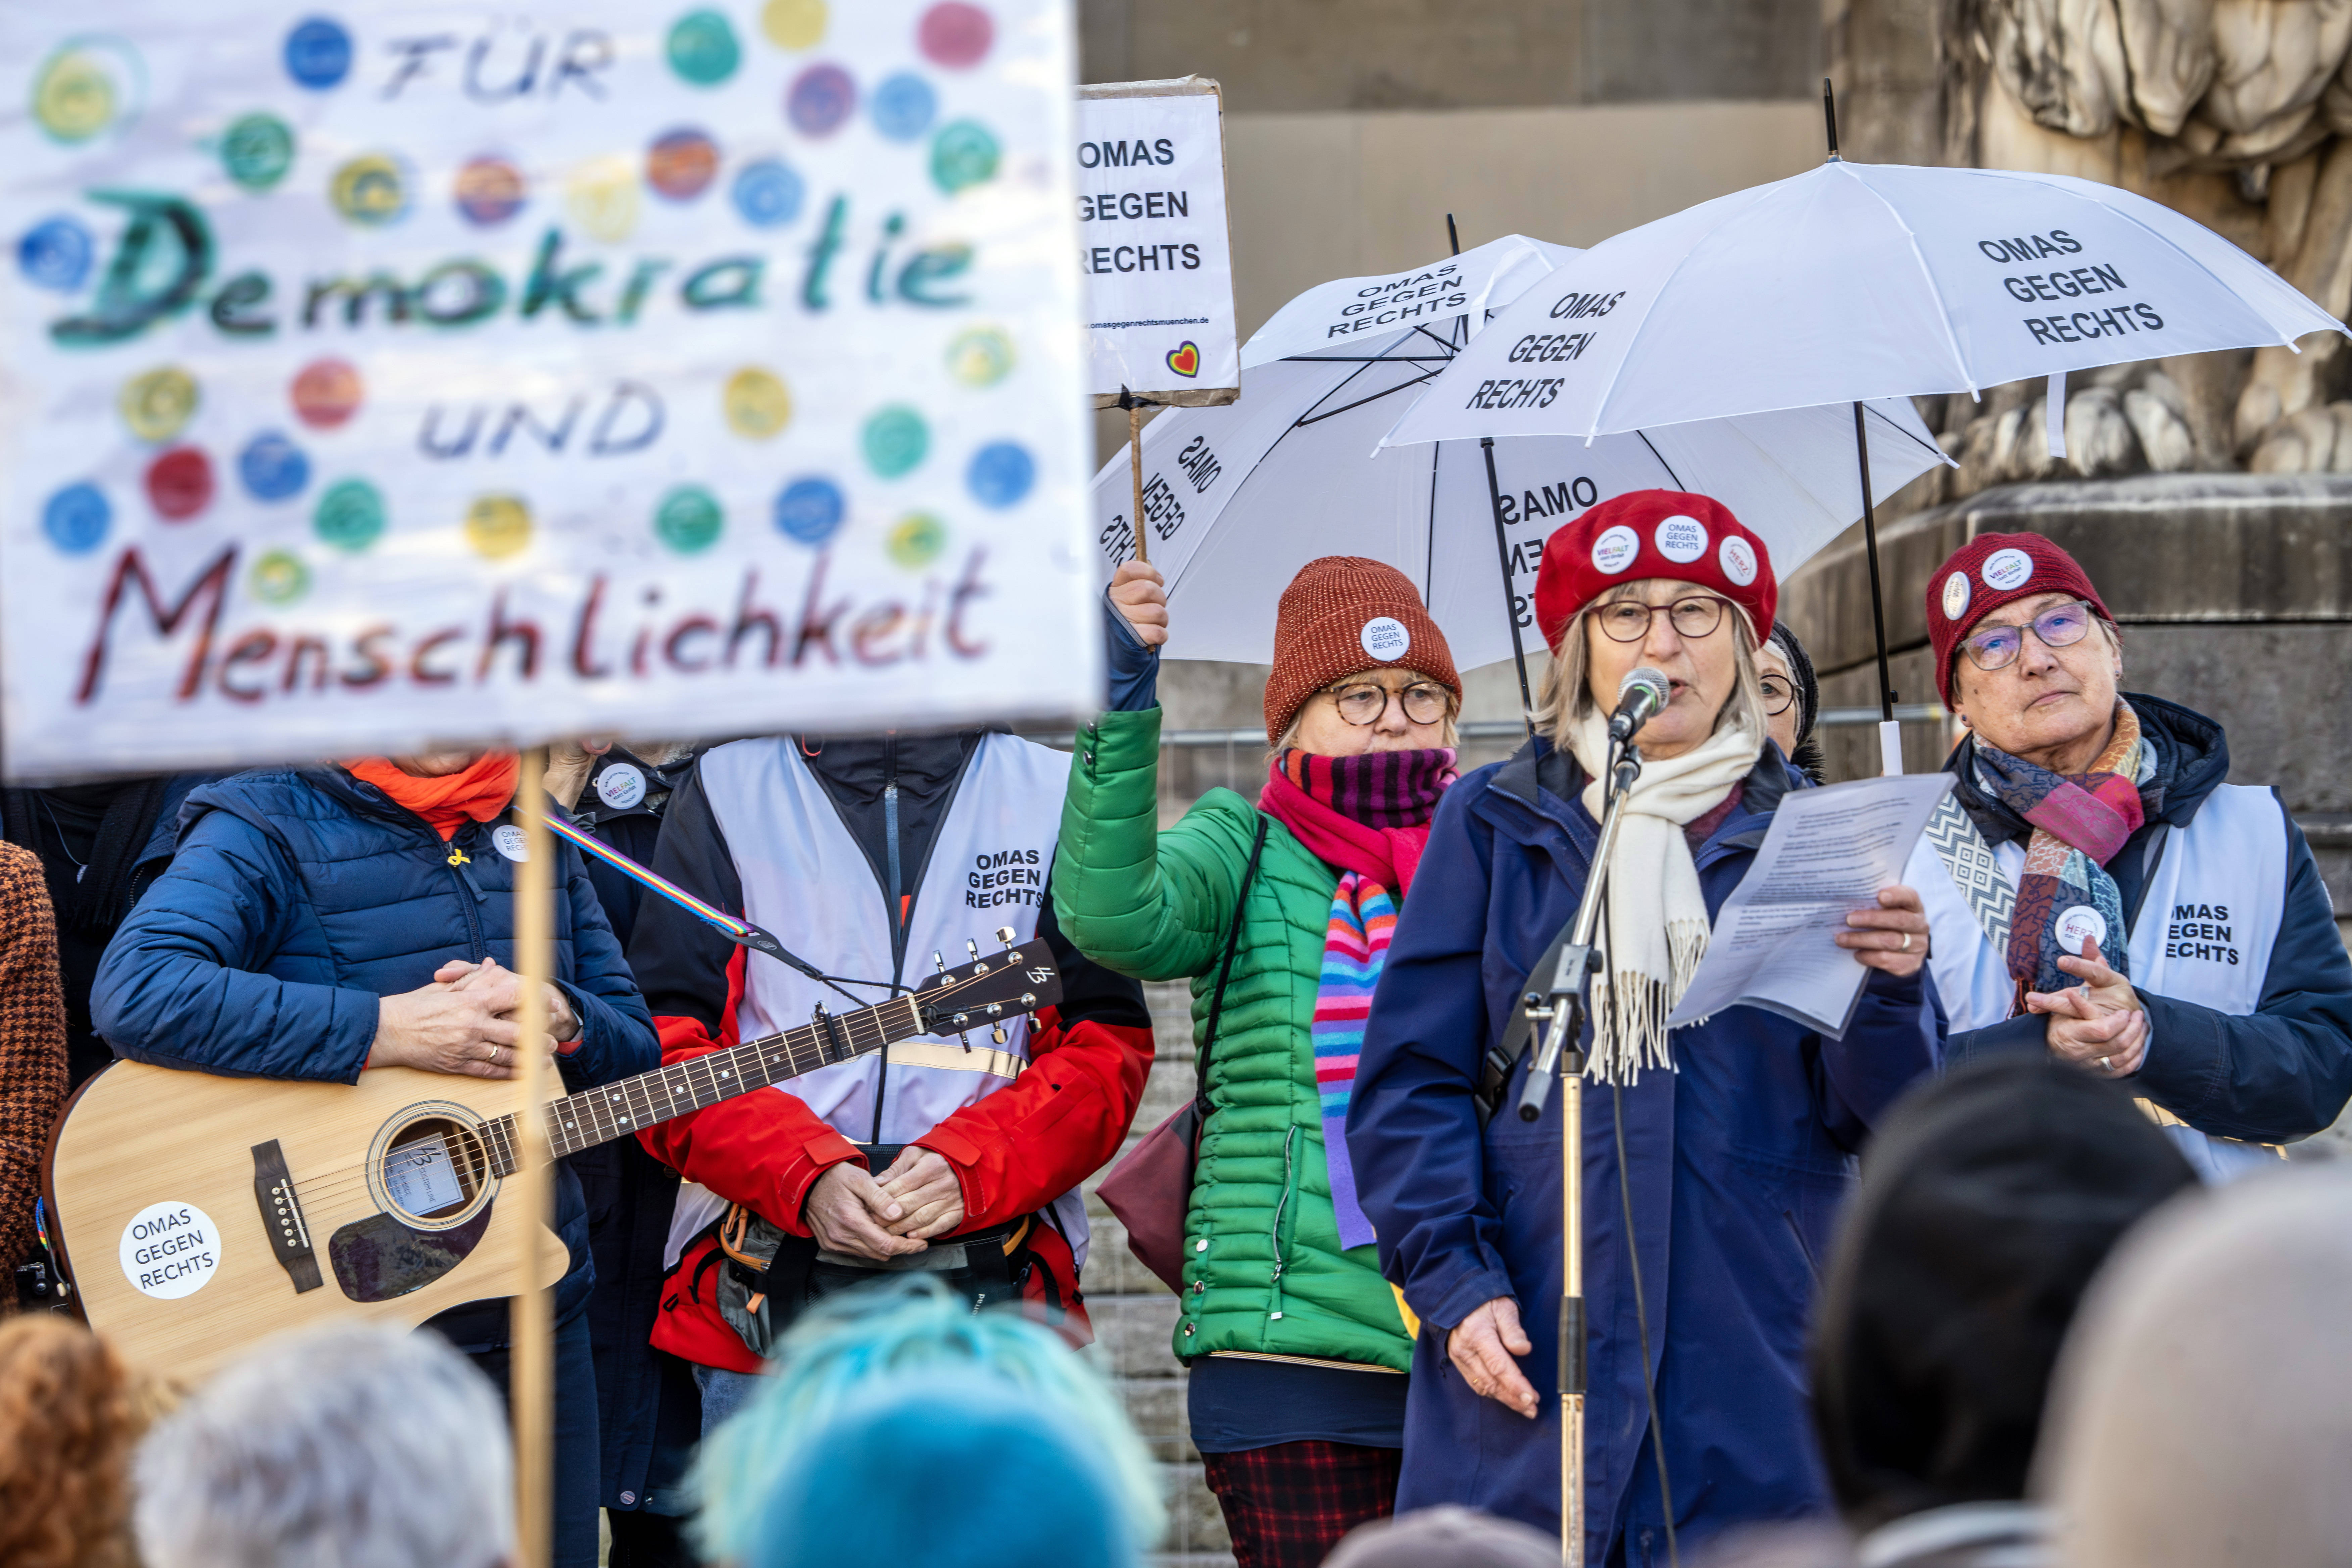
point(1657, 925)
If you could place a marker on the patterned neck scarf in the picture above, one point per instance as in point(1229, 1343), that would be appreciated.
point(2079, 823)
point(1369, 816)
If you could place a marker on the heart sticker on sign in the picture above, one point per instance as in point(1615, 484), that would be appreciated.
point(1185, 360)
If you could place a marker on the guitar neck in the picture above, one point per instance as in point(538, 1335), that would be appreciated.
point(613, 1110)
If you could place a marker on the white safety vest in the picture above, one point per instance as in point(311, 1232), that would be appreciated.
point(807, 883)
point(2204, 933)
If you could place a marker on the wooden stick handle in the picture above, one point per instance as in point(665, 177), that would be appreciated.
point(1135, 468)
point(532, 1365)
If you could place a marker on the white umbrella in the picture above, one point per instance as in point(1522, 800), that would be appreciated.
point(1238, 498)
point(1855, 281)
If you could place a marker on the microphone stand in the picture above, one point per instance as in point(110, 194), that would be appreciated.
point(1555, 997)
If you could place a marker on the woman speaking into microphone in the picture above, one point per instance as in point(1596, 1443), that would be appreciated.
point(1731, 1149)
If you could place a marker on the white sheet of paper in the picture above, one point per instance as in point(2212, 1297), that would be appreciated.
point(1828, 851)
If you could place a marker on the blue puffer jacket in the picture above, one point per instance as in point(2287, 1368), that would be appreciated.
point(295, 901)
point(1738, 1161)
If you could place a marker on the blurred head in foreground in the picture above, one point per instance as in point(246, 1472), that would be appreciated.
point(959, 1469)
point(846, 1345)
point(1445, 1537)
point(347, 1448)
point(2203, 1409)
point(1988, 1201)
point(67, 1427)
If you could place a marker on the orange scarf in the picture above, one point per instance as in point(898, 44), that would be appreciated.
point(474, 794)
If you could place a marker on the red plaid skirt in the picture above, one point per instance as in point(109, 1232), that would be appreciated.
point(1287, 1506)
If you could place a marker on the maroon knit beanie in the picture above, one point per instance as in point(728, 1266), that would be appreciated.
point(1987, 572)
point(1343, 615)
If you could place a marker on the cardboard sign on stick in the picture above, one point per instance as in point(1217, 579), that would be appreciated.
point(1154, 243)
point(391, 372)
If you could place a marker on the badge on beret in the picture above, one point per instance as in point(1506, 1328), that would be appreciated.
point(1738, 559)
point(1385, 638)
point(620, 786)
point(2007, 569)
point(1615, 549)
point(1681, 539)
point(1956, 595)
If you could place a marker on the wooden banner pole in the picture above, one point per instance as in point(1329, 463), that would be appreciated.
point(1135, 471)
point(531, 1361)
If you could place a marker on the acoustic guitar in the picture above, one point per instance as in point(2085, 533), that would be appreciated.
point(240, 1206)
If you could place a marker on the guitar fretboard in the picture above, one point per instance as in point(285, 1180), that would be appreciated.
point(613, 1110)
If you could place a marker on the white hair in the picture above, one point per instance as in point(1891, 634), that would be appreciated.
point(346, 1448)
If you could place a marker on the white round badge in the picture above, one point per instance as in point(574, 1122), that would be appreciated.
point(170, 1250)
point(621, 786)
point(1385, 638)
point(2080, 924)
point(1615, 549)
point(1738, 559)
point(2007, 569)
point(1956, 595)
point(1681, 539)
point(510, 842)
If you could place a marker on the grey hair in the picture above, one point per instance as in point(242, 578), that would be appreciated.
point(1563, 697)
point(348, 1448)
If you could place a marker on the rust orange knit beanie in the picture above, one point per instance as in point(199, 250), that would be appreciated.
point(1343, 615)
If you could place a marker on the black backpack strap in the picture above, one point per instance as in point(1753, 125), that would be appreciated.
point(1226, 970)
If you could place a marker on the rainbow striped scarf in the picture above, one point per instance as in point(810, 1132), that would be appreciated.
point(1355, 944)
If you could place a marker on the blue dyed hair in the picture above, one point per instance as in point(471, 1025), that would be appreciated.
point(961, 1472)
point(847, 1346)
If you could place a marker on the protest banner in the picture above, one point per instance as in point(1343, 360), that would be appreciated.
point(1154, 243)
point(375, 373)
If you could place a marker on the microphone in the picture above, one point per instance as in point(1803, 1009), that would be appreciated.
point(1640, 696)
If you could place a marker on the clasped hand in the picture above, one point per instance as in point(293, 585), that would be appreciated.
point(852, 1212)
point(2098, 1025)
point(464, 1023)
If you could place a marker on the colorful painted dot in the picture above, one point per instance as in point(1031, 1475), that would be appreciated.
point(903, 106)
point(326, 393)
point(981, 357)
point(489, 191)
point(811, 511)
point(75, 518)
point(602, 196)
point(689, 520)
point(158, 404)
point(1001, 473)
point(964, 154)
point(681, 165)
point(180, 483)
point(821, 100)
point(916, 538)
point(279, 578)
point(794, 24)
point(895, 439)
point(497, 526)
point(955, 35)
point(702, 49)
point(273, 467)
point(256, 150)
point(317, 53)
point(758, 404)
point(350, 516)
point(55, 254)
point(371, 189)
point(75, 96)
point(768, 193)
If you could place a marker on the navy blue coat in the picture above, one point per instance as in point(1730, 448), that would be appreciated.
point(295, 903)
point(1738, 1162)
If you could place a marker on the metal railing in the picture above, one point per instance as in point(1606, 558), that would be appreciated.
point(1496, 728)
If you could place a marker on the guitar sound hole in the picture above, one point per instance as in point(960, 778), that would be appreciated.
point(434, 1169)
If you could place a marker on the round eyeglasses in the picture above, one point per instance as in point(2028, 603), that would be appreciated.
point(1779, 692)
point(1363, 701)
point(1628, 620)
point(2060, 625)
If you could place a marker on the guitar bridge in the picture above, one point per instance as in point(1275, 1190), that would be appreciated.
point(281, 1216)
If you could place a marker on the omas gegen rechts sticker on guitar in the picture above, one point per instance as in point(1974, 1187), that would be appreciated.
point(171, 1250)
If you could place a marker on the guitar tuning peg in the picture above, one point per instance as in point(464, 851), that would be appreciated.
point(998, 1034)
point(1004, 935)
point(939, 964)
point(971, 947)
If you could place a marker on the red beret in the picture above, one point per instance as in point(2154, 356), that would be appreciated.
point(1653, 533)
point(1987, 572)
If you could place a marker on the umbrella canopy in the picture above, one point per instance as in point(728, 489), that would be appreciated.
point(1855, 281)
point(1239, 498)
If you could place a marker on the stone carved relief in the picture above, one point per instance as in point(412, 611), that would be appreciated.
point(2238, 113)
